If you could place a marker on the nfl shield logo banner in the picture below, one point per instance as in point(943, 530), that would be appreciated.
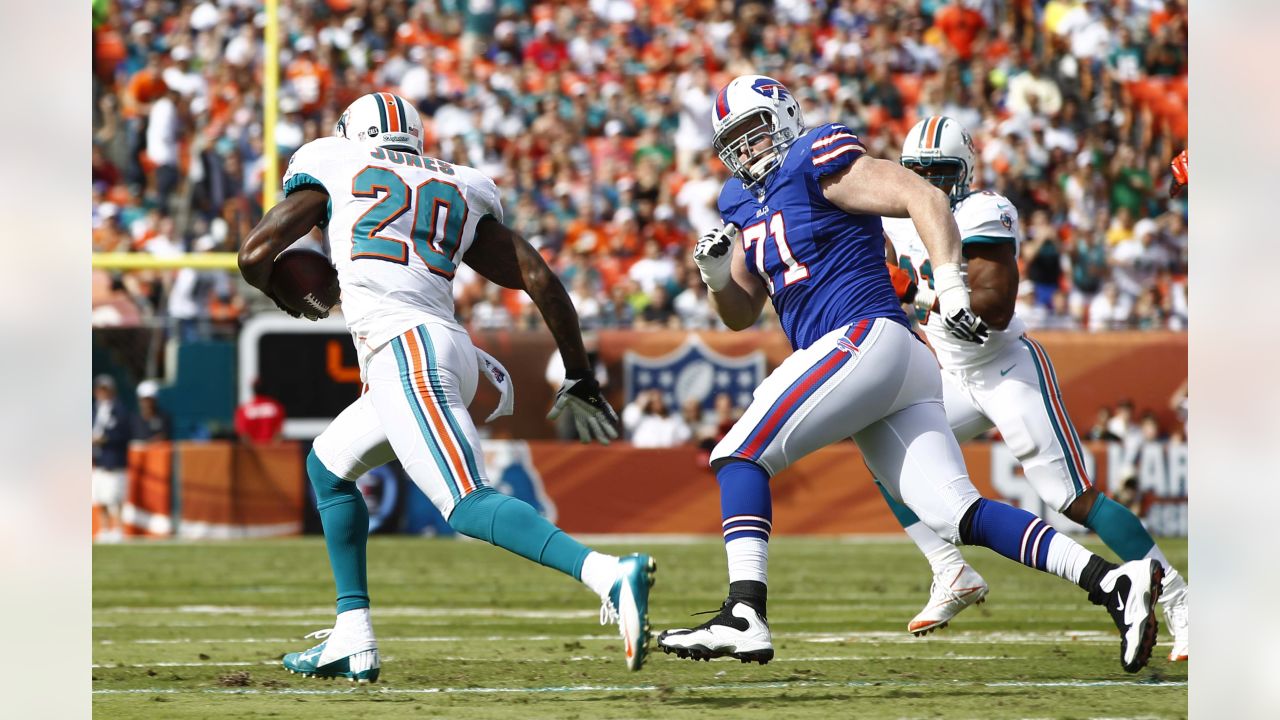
point(695, 372)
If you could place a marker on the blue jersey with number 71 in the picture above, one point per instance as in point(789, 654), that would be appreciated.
point(823, 267)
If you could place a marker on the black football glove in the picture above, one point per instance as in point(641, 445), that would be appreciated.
point(591, 413)
point(963, 324)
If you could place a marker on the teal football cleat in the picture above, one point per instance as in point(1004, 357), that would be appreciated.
point(628, 605)
point(322, 661)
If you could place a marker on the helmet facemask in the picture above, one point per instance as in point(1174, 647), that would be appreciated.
point(757, 165)
point(954, 182)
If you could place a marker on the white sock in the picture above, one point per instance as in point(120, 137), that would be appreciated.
point(748, 559)
point(1154, 553)
point(599, 572)
point(940, 553)
point(355, 625)
point(1067, 557)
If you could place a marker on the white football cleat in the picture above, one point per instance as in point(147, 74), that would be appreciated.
point(354, 659)
point(1174, 599)
point(737, 630)
point(628, 605)
point(1131, 592)
point(953, 590)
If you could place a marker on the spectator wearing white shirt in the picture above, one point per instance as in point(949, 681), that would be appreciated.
point(1109, 310)
point(698, 197)
point(651, 424)
point(653, 269)
point(491, 313)
point(1034, 83)
point(163, 124)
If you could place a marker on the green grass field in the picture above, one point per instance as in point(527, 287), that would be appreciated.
point(468, 631)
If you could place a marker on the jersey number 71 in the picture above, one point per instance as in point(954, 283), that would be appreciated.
point(439, 215)
point(753, 237)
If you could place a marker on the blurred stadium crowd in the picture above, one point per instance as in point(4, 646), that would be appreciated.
point(593, 117)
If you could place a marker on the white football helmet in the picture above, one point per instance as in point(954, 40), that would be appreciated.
point(382, 119)
point(941, 141)
point(767, 109)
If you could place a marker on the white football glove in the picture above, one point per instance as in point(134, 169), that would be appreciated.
point(714, 256)
point(953, 305)
point(591, 413)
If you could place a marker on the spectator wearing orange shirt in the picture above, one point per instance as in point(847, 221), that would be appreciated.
point(309, 79)
point(261, 419)
point(961, 26)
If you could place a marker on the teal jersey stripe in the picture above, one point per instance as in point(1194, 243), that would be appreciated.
point(987, 239)
point(1053, 417)
point(303, 180)
point(406, 374)
point(438, 388)
point(1071, 427)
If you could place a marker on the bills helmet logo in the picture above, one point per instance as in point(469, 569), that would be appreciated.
point(770, 88)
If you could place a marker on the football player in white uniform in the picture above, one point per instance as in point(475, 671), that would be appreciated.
point(1007, 382)
point(398, 224)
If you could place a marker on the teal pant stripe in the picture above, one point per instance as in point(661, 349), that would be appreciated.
point(512, 524)
point(438, 388)
point(1120, 529)
point(905, 517)
point(1073, 436)
point(1053, 418)
point(406, 374)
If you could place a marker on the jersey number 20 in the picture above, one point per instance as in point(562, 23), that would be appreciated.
point(439, 214)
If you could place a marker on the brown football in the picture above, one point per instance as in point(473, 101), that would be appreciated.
point(305, 281)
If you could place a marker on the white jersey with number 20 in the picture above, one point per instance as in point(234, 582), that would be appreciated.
point(399, 225)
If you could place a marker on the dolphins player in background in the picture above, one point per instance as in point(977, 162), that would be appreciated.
point(1008, 382)
point(398, 225)
point(809, 203)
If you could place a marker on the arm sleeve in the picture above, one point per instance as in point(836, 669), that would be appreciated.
point(484, 198)
point(830, 149)
point(307, 170)
point(987, 219)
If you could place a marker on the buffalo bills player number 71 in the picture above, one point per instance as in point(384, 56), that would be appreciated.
point(803, 230)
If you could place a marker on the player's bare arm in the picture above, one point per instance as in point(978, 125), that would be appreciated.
point(504, 257)
point(740, 300)
point(872, 186)
point(279, 228)
point(993, 281)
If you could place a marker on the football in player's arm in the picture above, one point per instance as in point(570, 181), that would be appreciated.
point(499, 254)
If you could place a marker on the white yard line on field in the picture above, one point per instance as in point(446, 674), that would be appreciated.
point(575, 658)
point(725, 687)
point(883, 637)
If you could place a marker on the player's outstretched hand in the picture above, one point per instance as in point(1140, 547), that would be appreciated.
point(714, 255)
point(962, 323)
point(591, 413)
